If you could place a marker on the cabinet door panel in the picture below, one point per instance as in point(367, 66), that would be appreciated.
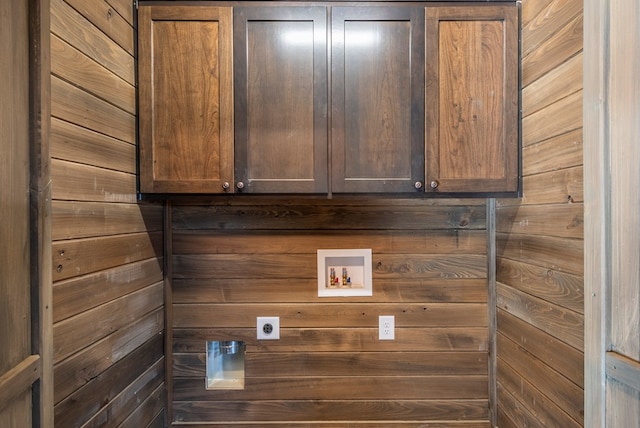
point(472, 101)
point(281, 80)
point(186, 117)
point(377, 99)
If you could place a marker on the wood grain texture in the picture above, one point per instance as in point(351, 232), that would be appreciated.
point(366, 410)
point(74, 105)
point(556, 153)
point(563, 221)
point(464, 339)
point(81, 368)
point(551, 285)
point(431, 275)
point(556, 354)
point(106, 20)
point(111, 295)
point(83, 256)
point(89, 400)
point(377, 99)
point(77, 144)
point(559, 118)
point(80, 33)
point(563, 44)
point(280, 60)
point(472, 99)
point(67, 61)
point(15, 327)
point(325, 215)
point(186, 99)
point(551, 318)
point(564, 393)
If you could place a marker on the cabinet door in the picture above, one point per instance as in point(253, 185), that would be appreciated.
point(472, 99)
point(280, 62)
point(377, 109)
point(186, 99)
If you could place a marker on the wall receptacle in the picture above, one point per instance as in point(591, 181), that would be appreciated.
point(268, 328)
point(386, 327)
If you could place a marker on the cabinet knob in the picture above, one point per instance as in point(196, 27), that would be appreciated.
point(418, 185)
point(434, 184)
point(240, 185)
point(226, 185)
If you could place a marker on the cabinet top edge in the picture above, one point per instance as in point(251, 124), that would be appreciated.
point(323, 3)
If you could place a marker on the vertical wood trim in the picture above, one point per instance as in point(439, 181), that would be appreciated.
point(596, 201)
point(492, 302)
point(168, 311)
point(40, 199)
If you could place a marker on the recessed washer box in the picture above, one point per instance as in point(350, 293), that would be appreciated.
point(344, 273)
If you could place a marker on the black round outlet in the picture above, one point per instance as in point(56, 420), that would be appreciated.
point(267, 328)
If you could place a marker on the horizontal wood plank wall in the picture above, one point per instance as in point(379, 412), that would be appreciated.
point(248, 257)
point(107, 249)
point(540, 238)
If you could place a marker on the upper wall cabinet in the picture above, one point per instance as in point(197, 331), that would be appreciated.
point(329, 98)
point(377, 102)
point(280, 60)
point(186, 102)
point(472, 107)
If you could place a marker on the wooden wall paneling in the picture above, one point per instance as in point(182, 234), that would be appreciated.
point(79, 407)
point(562, 288)
point(556, 153)
point(563, 221)
point(548, 22)
point(464, 339)
point(318, 410)
point(91, 76)
point(82, 256)
point(380, 214)
point(458, 241)
point(558, 118)
point(25, 293)
point(142, 392)
point(554, 187)
point(523, 402)
point(77, 294)
point(561, 391)
point(85, 365)
point(109, 289)
point(557, 84)
point(555, 353)
point(78, 144)
point(74, 105)
point(77, 332)
point(149, 410)
point(91, 219)
point(105, 19)
point(212, 290)
point(124, 8)
point(554, 319)
point(79, 32)
point(214, 259)
point(548, 251)
point(309, 363)
point(86, 183)
point(554, 51)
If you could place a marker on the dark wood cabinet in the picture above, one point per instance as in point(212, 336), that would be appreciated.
point(330, 98)
point(377, 108)
point(472, 107)
point(280, 60)
point(186, 103)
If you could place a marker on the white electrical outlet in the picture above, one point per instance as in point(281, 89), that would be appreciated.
point(268, 328)
point(386, 327)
